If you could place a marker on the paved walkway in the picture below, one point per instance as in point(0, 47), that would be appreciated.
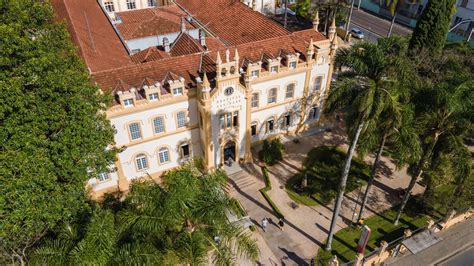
point(306, 227)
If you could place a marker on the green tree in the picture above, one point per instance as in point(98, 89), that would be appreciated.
point(432, 28)
point(177, 222)
point(364, 89)
point(53, 131)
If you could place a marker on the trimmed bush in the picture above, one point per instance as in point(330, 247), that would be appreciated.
point(268, 186)
point(272, 151)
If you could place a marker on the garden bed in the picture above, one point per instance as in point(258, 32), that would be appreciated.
point(323, 170)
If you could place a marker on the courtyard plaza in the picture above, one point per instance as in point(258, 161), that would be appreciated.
point(306, 227)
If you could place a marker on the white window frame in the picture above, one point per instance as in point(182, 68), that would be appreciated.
point(141, 161)
point(181, 119)
point(290, 118)
point(153, 96)
point(151, 3)
point(255, 100)
point(291, 92)
point(272, 95)
point(318, 83)
point(274, 69)
point(292, 65)
point(128, 103)
point(254, 73)
point(181, 151)
point(159, 128)
point(131, 4)
point(103, 177)
point(178, 91)
point(135, 131)
point(109, 6)
point(164, 155)
point(273, 125)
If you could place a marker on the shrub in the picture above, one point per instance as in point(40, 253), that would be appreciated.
point(272, 151)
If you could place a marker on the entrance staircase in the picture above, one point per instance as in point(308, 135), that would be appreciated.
point(240, 180)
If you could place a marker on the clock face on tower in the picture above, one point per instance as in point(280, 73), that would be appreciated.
point(228, 91)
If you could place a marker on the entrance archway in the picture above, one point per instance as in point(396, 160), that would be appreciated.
point(229, 151)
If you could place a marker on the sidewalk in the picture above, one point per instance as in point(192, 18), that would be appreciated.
point(307, 227)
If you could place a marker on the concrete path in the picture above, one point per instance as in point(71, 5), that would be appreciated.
point(454, 249)
point(306, 227)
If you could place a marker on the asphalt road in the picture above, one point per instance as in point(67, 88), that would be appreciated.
point(375, 27)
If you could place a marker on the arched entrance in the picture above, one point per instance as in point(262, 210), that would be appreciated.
point(229, 152)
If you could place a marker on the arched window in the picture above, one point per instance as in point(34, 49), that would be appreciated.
point(164, 155)
point(313, 113)
point(142, 163)
point(287, 120)
point(135, 132)
point(272, 95)
point(181, 119)
point(158, 125)
point(290, 91)
point(255, 100)
point(270, 125)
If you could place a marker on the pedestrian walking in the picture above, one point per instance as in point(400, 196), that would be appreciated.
point(281, 224)
point(264, 223)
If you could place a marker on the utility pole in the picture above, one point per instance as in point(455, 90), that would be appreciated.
point(394, 17)
point(358, 6)
point(349, 20)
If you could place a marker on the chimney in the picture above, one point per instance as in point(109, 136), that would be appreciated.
point(183, 24)
point(202, 38)
point(166, 44)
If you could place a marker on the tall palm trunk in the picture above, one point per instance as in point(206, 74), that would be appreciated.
point(417, 175)
point(372, 175)
point(342, 184)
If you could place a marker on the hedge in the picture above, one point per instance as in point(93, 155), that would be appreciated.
point(268, 186)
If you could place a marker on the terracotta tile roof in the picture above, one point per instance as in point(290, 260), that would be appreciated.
point(98, 43)
point(232, 21)
point(185, 44)
point(151, 22)
point(148, 55)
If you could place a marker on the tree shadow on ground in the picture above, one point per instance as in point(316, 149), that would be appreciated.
point(294, 257)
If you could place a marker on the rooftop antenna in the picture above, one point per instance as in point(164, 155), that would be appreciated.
point(89, 31)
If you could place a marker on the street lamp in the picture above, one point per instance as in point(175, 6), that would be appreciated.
point(357, 201)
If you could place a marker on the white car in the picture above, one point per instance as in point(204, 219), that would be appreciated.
point(357, 33)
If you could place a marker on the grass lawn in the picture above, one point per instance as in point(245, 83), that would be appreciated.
point(345, 241)
point(323, 168)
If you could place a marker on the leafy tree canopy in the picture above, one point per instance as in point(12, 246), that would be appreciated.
point(53, 134)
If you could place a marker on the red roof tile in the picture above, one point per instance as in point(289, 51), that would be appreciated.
point(148, 55)
point(151, 22)
point(232, 21)
point(185, 44)
point(98, 43)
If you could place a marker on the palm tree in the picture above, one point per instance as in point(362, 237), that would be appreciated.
point(444, 118)
point(364, 88)
point(178, 222)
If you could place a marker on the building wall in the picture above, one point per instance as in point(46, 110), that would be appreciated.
point(121, 5)
point(139, 44)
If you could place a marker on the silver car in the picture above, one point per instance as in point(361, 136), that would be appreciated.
point(357, 33)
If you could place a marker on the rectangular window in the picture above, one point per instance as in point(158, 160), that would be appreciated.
point(222, 121)
point(272, 96)
point(292, 65)
point(290, 91)
point(253, 130)
point(135, 131)
point(270, 125)
point(228, 120)
point(274, 69)
point(151, 2)
point(255, 100)
point(317, 83)
point(313, 113)
point(254, 73)
point(103, 177)
point(185, 151)
point(235, 119)
point(153, 96)
point(181, 118)
point(109, 6)
point(287, 121)
point(131, 4)
point(177, 91)
point(128, 102)
point(164, 155)
point(142, 164)
point(158, 125)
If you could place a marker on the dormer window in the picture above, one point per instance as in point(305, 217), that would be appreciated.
point(177, 91)
point(274, 69)
point(128, 103)
point(292, 65)
point(153, 96)
point(102, 177)
point(254, 73)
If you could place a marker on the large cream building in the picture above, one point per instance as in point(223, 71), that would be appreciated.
point(228, 79)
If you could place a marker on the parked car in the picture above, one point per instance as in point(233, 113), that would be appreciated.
point(357, 33)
